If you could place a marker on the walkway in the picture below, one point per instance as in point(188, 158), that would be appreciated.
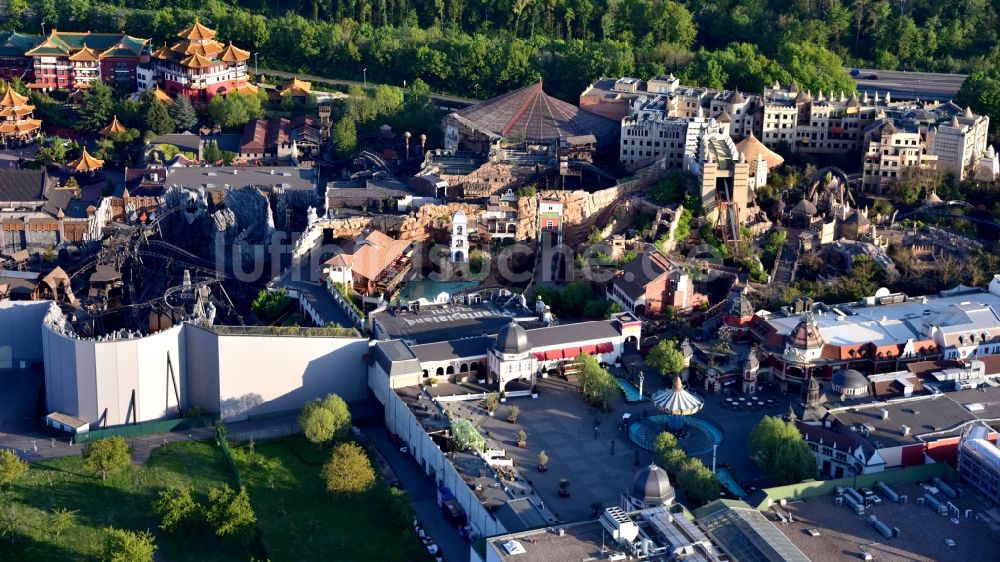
point(423, 495)
point(338, 82)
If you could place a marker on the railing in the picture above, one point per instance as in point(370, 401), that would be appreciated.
point(146, 428)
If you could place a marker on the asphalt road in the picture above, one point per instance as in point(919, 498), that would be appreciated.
point(910, 85)
point(442, 99)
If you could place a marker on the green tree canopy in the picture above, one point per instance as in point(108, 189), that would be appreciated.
point(234, 109)
point(106, 455)
point(698, 481)
point(123, 545)
point(596, 382)
point(11, 467)
point(230, 513)
point(183, 114)
point(98, 106)
point(664, 441)
point(324, 420)
point(981, 92)
point(157, 118)
point(177, 508)
point(211, 153)
point(349, 471)
point(781, 451)
point(666, 358)
point(344, 136)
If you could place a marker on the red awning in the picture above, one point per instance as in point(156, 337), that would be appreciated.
point(606, 347)
point(589, 349)
point(571, 352)
point(540, 356)
point(553, 355)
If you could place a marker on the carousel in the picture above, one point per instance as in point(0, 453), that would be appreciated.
point(678, 408)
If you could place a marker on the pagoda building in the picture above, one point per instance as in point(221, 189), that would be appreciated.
point(70, 60)
point(199, 67)
point(17, 118)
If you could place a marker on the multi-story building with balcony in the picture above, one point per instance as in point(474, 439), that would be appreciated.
point(71, 60)
point(892, 152)
point(199, 67)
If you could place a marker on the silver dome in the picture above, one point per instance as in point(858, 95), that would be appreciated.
point(652, 486)
point(512, 339)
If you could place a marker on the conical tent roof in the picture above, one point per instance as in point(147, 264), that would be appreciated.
point(113, 128)
point(12, 99)
point(750, 148)
point(86, 163)
point(677, 401)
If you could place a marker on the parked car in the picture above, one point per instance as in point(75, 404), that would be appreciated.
point(855, 72)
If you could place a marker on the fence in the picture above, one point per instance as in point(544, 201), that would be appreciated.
point(824, 487)
point(146, 428)
point(265, 433)
point(223, 441)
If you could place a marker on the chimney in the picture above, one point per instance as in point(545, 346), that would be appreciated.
point(906, 430)
point(885, 414)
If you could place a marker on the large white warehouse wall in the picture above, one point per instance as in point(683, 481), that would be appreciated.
point(20, 340)
point(115, 382)
point(268, 374)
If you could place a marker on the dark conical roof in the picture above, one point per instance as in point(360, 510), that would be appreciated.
point(652, 485)
point(536, 115)
point(513, 339)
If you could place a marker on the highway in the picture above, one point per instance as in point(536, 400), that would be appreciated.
point(443, 100)
point(910, 85)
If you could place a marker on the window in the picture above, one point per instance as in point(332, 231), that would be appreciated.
point(549, 224)
point(458, 230)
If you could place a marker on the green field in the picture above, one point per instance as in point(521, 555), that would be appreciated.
point(283, 478)
point(124, 501)
point(297, 519)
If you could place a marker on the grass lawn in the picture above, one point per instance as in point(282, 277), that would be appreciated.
point(299, 520)
point(124, 501)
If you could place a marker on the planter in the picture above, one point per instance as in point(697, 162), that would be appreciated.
point(522, 444)
point(503, 400)
point(534, 395)
point(543, 468)
point(511, 420)
point(491, 414)
point(563, 493)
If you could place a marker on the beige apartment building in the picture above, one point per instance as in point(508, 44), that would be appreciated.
point(891, 151)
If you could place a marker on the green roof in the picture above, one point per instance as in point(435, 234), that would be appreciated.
point(16, 44)
point(64, 43)
point(717, 505)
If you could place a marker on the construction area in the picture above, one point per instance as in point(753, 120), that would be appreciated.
point(826, 531)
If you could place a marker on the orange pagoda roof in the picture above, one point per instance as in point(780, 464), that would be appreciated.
point(163, 97)
point(234, 54)
point(206, 49)
point(114, 128)
point(86, 54)
point(197, 32)
point(196, 61)
point(20, 127)
point(297, 88)
point(163, 53)
point(86, 163)
point(13, 99)
point(247, 89)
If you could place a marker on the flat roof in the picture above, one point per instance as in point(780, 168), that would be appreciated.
point(219, 176)
point(942, 415)
point(895, 323)
point(435, 323)
point(580, 541)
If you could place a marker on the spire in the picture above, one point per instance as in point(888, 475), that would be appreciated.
point(790, 414)
point(678, 385)
point(968, 113)
point(887, 94)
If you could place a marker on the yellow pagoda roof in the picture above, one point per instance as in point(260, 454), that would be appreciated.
point(234, 54)
point(163, 97)
point(197, 32)
point(163, 53)
point(86, 54)
point(12, 99)
point(20, 127)
point(247, 89)
point(196, 61)
point(114, 128)
point(16, 111)
point(206, 49)
point(86, 163)
point(297, 88)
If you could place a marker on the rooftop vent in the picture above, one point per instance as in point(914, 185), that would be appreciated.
point(513, 547)
point(905, 430)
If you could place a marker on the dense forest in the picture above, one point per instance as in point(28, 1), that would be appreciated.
point(484, 47)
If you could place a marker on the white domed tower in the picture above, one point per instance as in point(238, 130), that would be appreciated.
point(511, 357)
point(459, 238)
point(750, 368)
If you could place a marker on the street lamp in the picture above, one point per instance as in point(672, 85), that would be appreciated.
point(256, 71)
point(364, 75)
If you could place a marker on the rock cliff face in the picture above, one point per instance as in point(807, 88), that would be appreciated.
point(581, 211)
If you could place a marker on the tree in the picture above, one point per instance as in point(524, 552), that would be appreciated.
point(666, 358)
point(98, 106)
point(63, 519)
point(123, 545)
point(157, 118)
point(981, 92)
point(211, 153)
point(11, 467)
point(183, 114)
point(780, 450)
point(177, 508)
point(325, 420)
point(11, 521)
point(596, 383)
point(234, 109)
point(106, 455)
point(230, 512)
point(399, 508)
point(574, 297)
point(664, 441)
point(672, 459)
point(269, 305)
point(344, 136)
point(698, 481)
point(349, 471)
